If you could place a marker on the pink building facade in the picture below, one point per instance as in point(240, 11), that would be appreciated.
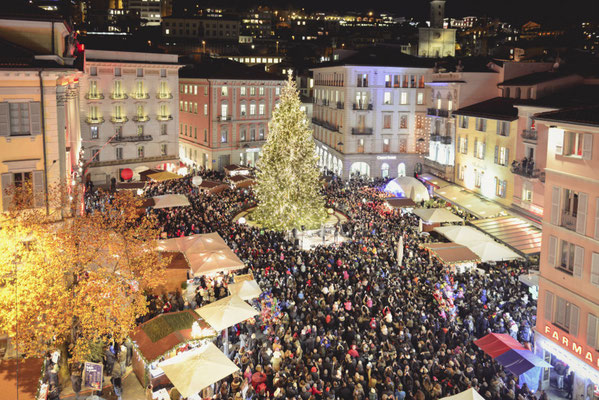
point(568, 306)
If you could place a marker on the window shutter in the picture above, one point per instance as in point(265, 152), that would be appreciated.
point(587, 146)
point(507, 157)
point(4, 119)
point(496, 154)
point(484, 125)
point(552, 253)
point(38, 189)
point(7, 182)
point(548, 306)
point(555, 200)
point(581, 214)
point(35, 117)
point(499, 127)
point(574, 317)
point(592, 331)
point(578, 261)
point(597, 218)
point(475, 147)
point(595, 269)
point(466, 145)
point(484, 150)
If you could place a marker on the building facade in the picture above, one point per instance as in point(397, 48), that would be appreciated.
point(224, 119)
point(436, 41)
point(129, 115)
point(39, 117)
point(568, 307)
point(370, 120)
point(209, 28)
point(485, 148)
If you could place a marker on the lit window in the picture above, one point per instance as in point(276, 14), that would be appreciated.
point(387, 98)
point(261, 109)
point(404, 98)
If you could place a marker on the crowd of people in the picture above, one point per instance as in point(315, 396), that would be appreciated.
point(351, 321)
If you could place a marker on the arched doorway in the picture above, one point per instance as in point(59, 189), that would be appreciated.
point(360, 168)
point(385, 171)
point(401, 169)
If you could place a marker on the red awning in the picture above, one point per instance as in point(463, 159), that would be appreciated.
point(495, 344)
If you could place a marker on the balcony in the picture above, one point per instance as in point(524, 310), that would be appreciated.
point(94, 96)
point(141, 118)
point(442, 139)
point(436, 112)
point(340, 105)
point(529, 135)
point(118, 96)
point(361, 131)
point(568, 220)
point(164, 96)
point(435, 138)
point(223, 118)
point(129, 139)
point(164, 117)
point(324, 102)
point(526, 170)
point(140, 96)
point(94, 120)
point(362, 106)
point(118, 120)
point(325, 125)
point(129, 161)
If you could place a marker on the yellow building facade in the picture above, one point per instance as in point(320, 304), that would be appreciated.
point(485, 149)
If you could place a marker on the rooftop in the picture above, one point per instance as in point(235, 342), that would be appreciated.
point(501, 108)
point(535, 78)
point(23, 10)
point(212, 68)
point(14, 56)
point(381, 56)
point(577, 115)
point(577, 96)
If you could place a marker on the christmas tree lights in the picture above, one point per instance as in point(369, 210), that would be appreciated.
point(288, 180)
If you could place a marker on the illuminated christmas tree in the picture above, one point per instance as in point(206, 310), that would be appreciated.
point(288, 181)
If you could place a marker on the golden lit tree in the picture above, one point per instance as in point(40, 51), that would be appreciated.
point(79, 281)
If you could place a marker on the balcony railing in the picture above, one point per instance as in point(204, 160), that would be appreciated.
point(325, 125)
point(340, 105)
point(436, 112)
point(140, 96)
point(361, 131)
point(118, 120)
point(94, 120)
point(529, 135)
point(118, 96)
point(435, 138)
point(137, 138)
point(222, 118)
point(568, 220)
point(164, 117)
point(141, 118)
point(362, 106)
point(133, 160)
point(527, 171)
point(94, 96)
point(164, 96)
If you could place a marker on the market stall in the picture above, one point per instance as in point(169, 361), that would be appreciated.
point(401, 203)
point(408, 187)
point(162, 338)
point(469, 394)
point(163, 176)
point(433, 217)
point(241, 181)
point(226, 312)
point(237, 170)
point(170, 201)
point(459, 258)
point(212, 187)
point(247, 290)
point(176, 273)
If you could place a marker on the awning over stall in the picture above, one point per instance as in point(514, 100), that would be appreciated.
point(170, 200)
point(462, 234)
point(469, 201)
point(436, 215)
point(514, 232)
point(495, 344)
point(408, 187)
point(163, 176)
point(452, 253)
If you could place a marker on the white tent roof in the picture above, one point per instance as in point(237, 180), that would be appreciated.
point(469, 201)
point(492, 251)
point(469, 394)
point(170, 200)
point(196, 369)
point(463, 234)
point(410, 187)
point(436, 215)
point(247, 290)
point(226, 312)
point(194, 243)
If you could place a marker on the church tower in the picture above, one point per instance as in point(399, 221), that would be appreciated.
point(435, 42)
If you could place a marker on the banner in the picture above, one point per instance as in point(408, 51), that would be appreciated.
point(93, 375)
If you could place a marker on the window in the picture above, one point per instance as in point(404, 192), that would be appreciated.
point(573, 144)
point(362, 80)
point(403, 98)
point(242, 91)
point(163, 149)
point(93, 89)
point(205, 135)
point(140, 111)
point(261, 109)
point(195, 108)
point(503, 128)
point(527, 194)
point(140, 130)
point(223, 111)
point(566, 316)
point(118, 90)
point(387, 81)
point(503, 156)
point(439, 103)
point(163, 129)
point(117, 71)
point(360, 145)
point(461, 171)
point(93, 71)
point(94, 132)
point(261, 91)
point(387, 98)
point(140, 72)
point(242, 134)
point(205, 109)
point(481, 124)
point(195, 132)
point(180, 105)
point(449, 105)
point(186, 89)
point(403, 121)
point(479, 149)
point(386, 146)
point(277, 91)
point(22, 119)
point(140, 152)
point(463, 144)
point(252, 134)
point(252, 90)
point(224, 136)
point(500, 187)
point(387, 121)
point(261, 133)
point(140, 90)
point(592, 328)
point(463, 122)
point(420, 98)
point(243, 110)
point(403, 145)
point(162, 72)
point(224, 91)
point(119, 153)
point(252, 109)
point(205, 90)
point(478, 177)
